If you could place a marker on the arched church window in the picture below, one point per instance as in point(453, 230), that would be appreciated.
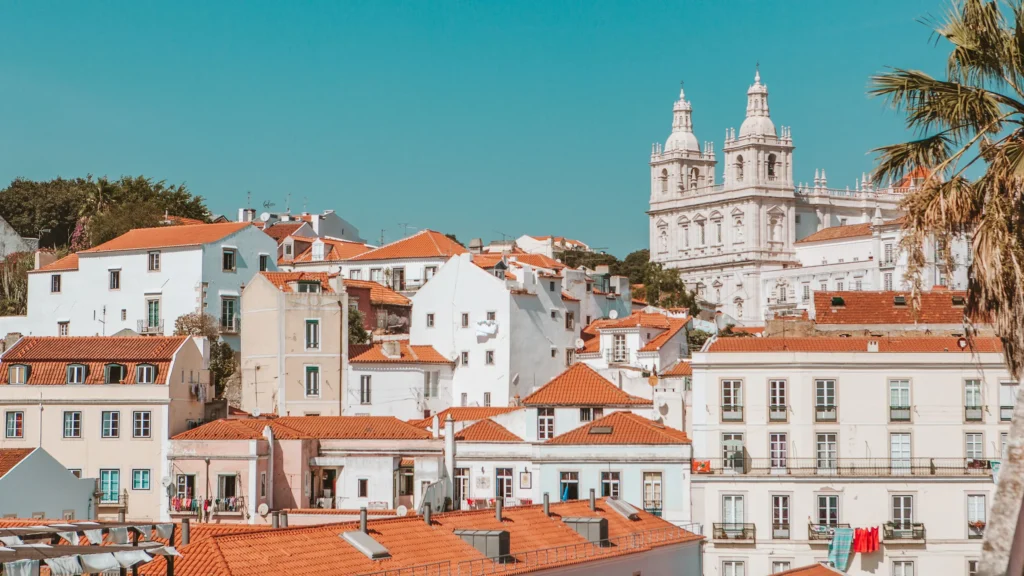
point(694, 177)
point(664, 181)
point(771, 166)
point(739, 168)
point(663, 241)
point(701, 238)
point(739, 308)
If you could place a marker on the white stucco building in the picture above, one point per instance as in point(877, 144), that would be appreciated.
point(392, 378)
point(404, 265)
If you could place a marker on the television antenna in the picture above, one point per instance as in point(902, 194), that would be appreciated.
point(405, 228)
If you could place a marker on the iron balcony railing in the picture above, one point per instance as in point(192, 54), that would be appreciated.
point(858, 467)
point(147, 327)
point(823, 531)
point(653, 507)
point(732, 413)
point(1006, 413)
point(108, 500)
point(899, 413)
point(903, 531)
point(825, 413)
point(734, 531)
point(777, 413)
point(973, 413)
point(231, 325)
point(617, 356)
point(976, 530)
point(780, 531)
point(233, 504)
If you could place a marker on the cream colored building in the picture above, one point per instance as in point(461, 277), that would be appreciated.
point(294, 344)
point(793, 437)
point(106, 408)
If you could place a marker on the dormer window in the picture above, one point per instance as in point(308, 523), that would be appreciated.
point(318, 251)
point(305, 286)
point(76, 373)
point(17, 374)
point(145, 374)
point(114, 373)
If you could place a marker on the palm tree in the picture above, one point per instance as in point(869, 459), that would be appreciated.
point(970, 128)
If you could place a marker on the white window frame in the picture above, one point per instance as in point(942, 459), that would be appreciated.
point(142, 424)
point(545, 423)
point(72, 424)
point(365, 389)
point(312, 337)
point(311, 380)
point(110, 424)
point(76, 373)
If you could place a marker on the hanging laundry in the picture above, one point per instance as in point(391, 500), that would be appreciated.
point(11, 540)
point(23, 568)
point(71, 537)
point(164, 530)
point(839, 548)
point(94, 536)
point(119, 535)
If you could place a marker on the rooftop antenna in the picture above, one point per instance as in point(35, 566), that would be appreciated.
point(248, 199)
point(304, 200)
point(405, 228)
point(381, 237)
point(288, 203)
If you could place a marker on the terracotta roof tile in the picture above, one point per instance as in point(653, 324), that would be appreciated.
point(309, 427)
point(69, 262)
point(410, 354)
point(10, 457)
point(622, 428)
point(334, 250)
point(183, 220)
point(675, 325)
point(465, 414)
point(581, 385)
point(641, 320)
point(486, 431)
point(49, 356)
point(863, 308)
point(281, 230)
point(682, 368)
point(569, 297)
point(231, 429)
point(380, 294)
point(812, 570)
point(537, 261)
point(838, 233)
point(283, 279)
point(424, 244)
point(169, 237)
point(833, 344)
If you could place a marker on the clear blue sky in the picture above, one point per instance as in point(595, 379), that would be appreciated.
point(476, 118)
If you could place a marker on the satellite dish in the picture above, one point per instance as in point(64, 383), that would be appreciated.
point(580, 343)
point(401, 511)
point(652, 380)
point(263, 509)
point(265, 216)
point(613, 314)
point(256, 412)
point(167, 481)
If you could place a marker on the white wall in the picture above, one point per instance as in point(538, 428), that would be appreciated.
point(396, 390)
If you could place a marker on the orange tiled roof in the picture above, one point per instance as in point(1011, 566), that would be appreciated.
point(486, 431)
point(569, 297)
point(283, 279)
point(862, 307)
point(832, 344)
point(622, 428)
point(754, 329)
point(682, 368)
point(464, 414)
point(581, 385)
point(10, 457)
point(537, 261)
point(812, 570)
point(281, 230)
point(334, 250)
point(308, 427)
point(424, 244)
point(380, 294)
point(562, 240)
point(918, 173)
point(838, 233)
point(169, 237)
point(641, 320)
point(674, 326)
point(183, 220)
point(374, 354)
point(49, 356)
point(69, 262)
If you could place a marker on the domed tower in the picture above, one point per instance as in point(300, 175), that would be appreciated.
point(759, 156)
point(679, 166)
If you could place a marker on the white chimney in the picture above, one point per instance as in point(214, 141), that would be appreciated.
point(392, 348)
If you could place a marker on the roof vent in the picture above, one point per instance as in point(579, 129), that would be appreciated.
point(601, 429)
point(595, 530)
point(958, 300)
point(899, 300)
point(366, 544)
point(490, 543)
point(872, 345)
point(622, 507)
point(838, 301)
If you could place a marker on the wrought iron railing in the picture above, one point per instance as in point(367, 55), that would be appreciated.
point(232, 504)
point(780, 531)
point(825, 413)
point(653, 507)
point(618, 356)
point(777, 413)
point(146, 327)
point(732, 413)
point(973, 413)
point(231, 324)
point(112, 500)
point(899, 413)
point(823, 531)
point(976, 530)
point(734, 531)
point(863, 467)
point(903, 531)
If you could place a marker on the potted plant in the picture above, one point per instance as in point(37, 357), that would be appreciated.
point(978, 525)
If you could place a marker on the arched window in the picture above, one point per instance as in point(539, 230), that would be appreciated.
point(694, 178)
point(771, 166)
point(663, 241)
point(739, 168)
point(664, 181)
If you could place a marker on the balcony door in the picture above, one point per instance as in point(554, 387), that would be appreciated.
point(780, 517)
point(899, 452)
point(903, 511)
point(827, 452)
point(732, 515)
point(778, 452)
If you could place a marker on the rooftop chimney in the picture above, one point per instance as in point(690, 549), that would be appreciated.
point(186, 532)
point(284, 518)
point(547, 504)
point(476, 245)
point(275, 519)
point(593, 500)
point(497, 508)
point(426, 513)
point(392, 348)
point(362, 519)
point(435, 426)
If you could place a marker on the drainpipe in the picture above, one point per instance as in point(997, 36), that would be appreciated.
point(268, 433)
point(497, 508)
point(449, 456)
point(547, 504)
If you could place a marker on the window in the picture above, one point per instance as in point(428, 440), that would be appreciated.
point(570, 356)
point(545, 423)
point(465, 358)
point(465, 320)
point(590, 414)
point(430, 320)
point(15, 425)
point(185, 486)
point(824, 286)
point(429, 271)
point(63, 328)
point(828, 509)
point(312, 381)
point(887, 258)
point(141, 424)
point(972, 400)
point(899, 400)
point(826, 448)
point(309, 287)
point(570, 320)
point(364, 389)
point(114, 373)
point(124, 314)
point(732, 400)
point(464, 399)
point(554, 352)
point(902, 511)
point(312, 334)
point(110, 485)
point(430, 384)
point(554, 314)
point(17, 374)
point(145, 373)
point(609, 484)
point(858, 285)
point(154, 261)
point(111, 425)
point(491, 316)
point(263, 484)
point(551, 286)
point(228, 260)
point(780, 517)
point(839, 285)
point(1007, 400)
point(76, 374)
point(72, 424)
point(355, 274)
point(806, 294)
point(288, 249)
point(778, 450)
point(899, 452)
point(887, 281)
point(503, 483)
point(973, 567)
point(461, 485)
point(652, 492)
point(55, 283)
point(701, 237)
point(619, 352)
point(976, 519)
point(140, 479)
point(780, 566)
point(489, 357)
point(569, 485)
point(114, 282)
point(974, 447)
point(732, 512)
point(226, 486)
point(363, 488)
point(777, 407)
point(487, 398)
point(825, 400)
point(734, 567)
point(264, 262)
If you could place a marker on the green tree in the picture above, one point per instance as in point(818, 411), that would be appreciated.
point(576, 257)
point(222, 365)
point(695, 339)
point(14, 283)
point(664, 287)
point(116, 220)
point(357, 334)
point(197, 324)
point(634, 266)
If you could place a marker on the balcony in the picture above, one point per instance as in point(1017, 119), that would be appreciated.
point(653, 507)
point(973, 414)
point(780, 531)
point(114, 500)
point(234, 505)
point(903, 532)
point(148, 327)
point(886, 263)
point(734, 532)
point(620, 356)
point(823, 532)
point(976, 530)
point(777, 413)
point(231, 325)
point(1005, 413)
point(732, 413)
point(899, 413)
point(842, 467)
point(825, 413)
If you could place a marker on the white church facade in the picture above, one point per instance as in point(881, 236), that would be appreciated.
point(737, 242)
